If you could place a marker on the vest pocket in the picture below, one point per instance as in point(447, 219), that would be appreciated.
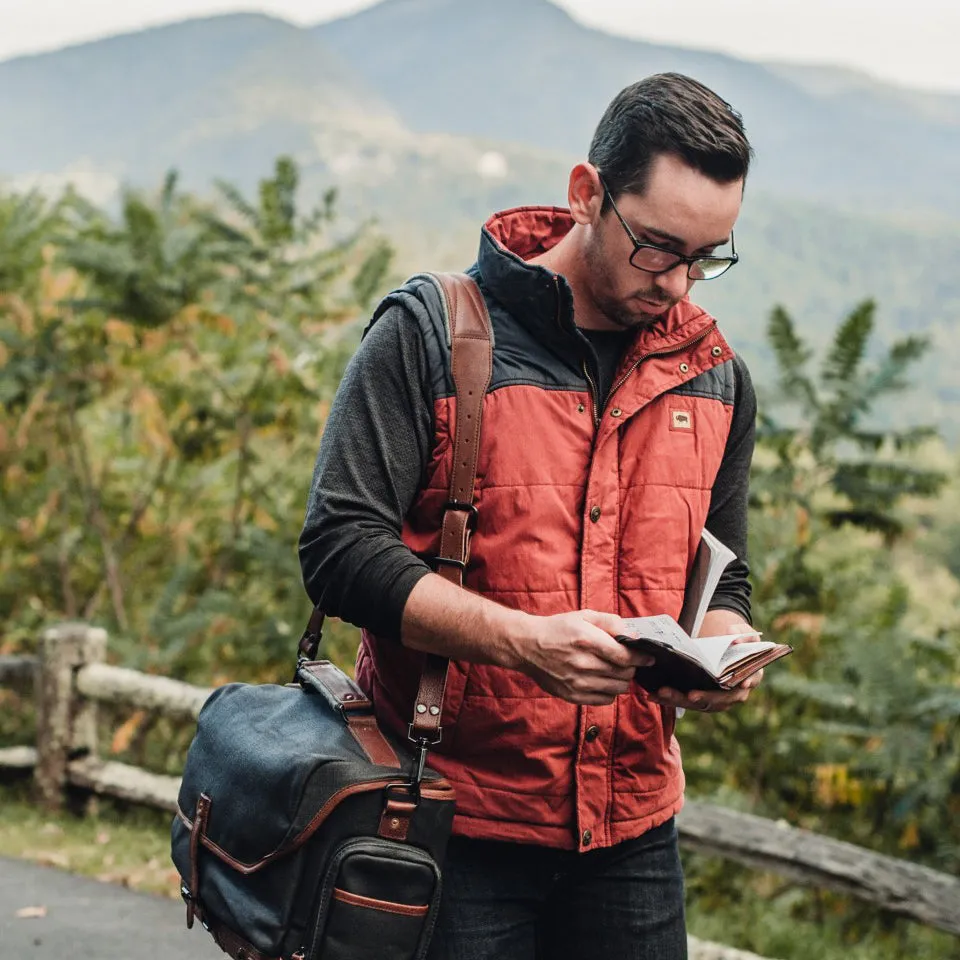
point(380, 899)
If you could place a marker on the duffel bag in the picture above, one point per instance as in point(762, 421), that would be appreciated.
point(302, 832)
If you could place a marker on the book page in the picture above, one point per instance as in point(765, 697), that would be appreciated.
point(662, 629)
point(711, 559)
point(740, 651)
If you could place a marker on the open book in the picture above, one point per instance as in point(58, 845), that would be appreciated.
point(703, 663)
point(706, 663)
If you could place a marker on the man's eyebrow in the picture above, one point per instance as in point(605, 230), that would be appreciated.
point(679, 241)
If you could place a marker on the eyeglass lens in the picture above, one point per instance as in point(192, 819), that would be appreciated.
point(655, 260)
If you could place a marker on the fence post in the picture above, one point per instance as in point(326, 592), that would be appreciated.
point(66, 724)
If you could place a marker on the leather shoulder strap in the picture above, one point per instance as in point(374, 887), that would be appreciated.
point(472, 366)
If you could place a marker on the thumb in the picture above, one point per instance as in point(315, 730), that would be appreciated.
point(608, 622)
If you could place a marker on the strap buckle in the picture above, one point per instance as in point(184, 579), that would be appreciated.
point(463, 507)
point(309, 645)
point(422, 746)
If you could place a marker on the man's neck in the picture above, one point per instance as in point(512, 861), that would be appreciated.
point(565, 258)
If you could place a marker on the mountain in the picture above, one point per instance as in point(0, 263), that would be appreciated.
point(430, 135)
point(215, 96)
point(524, 70)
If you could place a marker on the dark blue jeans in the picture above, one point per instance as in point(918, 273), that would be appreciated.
point(508, 901)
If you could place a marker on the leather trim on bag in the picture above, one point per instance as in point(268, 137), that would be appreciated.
point(371, 739)
point(197, 832)
point(385, 906)
point(335, 686)
point(437, 790)
point(395, 820)
point(234, 945)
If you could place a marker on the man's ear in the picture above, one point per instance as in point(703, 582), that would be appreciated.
point(585, 193)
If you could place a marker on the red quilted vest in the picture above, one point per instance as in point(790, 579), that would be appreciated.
point(572, 515)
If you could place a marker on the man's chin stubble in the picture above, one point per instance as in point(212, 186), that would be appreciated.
point(635, 321)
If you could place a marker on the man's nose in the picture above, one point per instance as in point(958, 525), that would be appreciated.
point(675, 283)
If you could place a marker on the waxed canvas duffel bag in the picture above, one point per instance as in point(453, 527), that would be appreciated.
point(296, 838)
point(303, 832)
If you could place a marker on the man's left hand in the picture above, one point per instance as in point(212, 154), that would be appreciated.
point(717, 623)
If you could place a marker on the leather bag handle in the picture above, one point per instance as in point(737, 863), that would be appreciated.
point(472, 369)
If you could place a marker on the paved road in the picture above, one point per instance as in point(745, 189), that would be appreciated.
point(87, 920)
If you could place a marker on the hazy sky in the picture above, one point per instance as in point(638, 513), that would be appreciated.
point(915, 43)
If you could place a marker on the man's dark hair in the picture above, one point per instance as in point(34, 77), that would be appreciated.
point(673, 114)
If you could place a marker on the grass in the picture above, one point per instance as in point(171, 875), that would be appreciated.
point(775, 918)
point(113, 842)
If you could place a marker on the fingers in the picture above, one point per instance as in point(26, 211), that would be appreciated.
point(706, 701)
point(587, 690)
point(605, 645)
point(608, 622)
point(590, 665)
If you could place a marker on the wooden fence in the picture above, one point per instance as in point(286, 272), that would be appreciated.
point(70, 677)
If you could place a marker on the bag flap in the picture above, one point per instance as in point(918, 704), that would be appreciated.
point(270, 757)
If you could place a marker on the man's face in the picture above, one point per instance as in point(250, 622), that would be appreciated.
point(681, 210)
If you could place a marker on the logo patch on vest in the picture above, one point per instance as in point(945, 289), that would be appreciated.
point(681, 420)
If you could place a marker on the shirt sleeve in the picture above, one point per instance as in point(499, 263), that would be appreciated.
point(727, 518)
point(372, 461)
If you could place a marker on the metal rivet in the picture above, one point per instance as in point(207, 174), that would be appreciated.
point(716, 351)
point(616, 412)
point(348, 696)
point(580, 408)
point(434, 711)
point(395, 822)
point(421, 708)
point(684, 367)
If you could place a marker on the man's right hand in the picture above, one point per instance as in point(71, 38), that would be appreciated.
point(575, 656)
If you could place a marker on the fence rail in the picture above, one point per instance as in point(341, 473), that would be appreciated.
point(71, 677)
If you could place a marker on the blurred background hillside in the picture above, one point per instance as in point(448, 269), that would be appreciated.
point(195, 222)
point(483, 106)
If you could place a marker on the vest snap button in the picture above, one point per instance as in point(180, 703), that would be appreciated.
point(595, 514)
point(580, 408)
point(586, 838)
point(592, 733)
point(616, 412)
point(684, 367)
point(716, 351)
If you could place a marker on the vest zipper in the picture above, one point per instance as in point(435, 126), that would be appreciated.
point(658, 353)
point(594, 395)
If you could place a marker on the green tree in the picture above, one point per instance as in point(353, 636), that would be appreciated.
point(857, 733)
point(165, 399)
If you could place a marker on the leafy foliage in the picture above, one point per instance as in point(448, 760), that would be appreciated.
point(163, 378)
point(859, 735)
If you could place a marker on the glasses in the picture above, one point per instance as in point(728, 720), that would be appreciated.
point(654, 259)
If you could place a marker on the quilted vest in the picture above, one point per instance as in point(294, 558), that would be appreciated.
point(579, 508)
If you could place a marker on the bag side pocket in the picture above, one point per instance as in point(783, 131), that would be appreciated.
point(379, 902)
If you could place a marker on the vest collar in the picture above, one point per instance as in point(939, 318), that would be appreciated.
point(541, 299)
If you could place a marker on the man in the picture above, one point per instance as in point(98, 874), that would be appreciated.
point(618, 423)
